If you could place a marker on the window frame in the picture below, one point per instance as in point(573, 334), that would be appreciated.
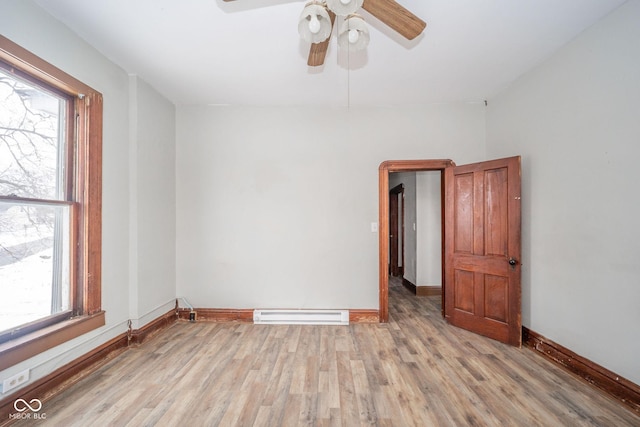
point(86, 209)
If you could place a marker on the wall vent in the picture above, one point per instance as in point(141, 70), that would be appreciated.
point(301, 317)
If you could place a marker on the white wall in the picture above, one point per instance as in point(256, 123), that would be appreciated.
point(32, 28)
point(153, 201)
point(576, 122)
point(429, 230)
point(275, 204)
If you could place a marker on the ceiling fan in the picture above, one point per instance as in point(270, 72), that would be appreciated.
point(318, 18)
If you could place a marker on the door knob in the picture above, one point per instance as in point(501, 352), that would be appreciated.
point(512, 261)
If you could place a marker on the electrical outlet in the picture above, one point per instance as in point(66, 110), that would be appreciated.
point(15, 381)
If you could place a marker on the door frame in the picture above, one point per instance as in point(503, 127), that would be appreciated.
point(385, 168)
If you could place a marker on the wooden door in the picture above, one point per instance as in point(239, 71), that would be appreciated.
point(396, 231)
point(393, 231)
point(482, 248)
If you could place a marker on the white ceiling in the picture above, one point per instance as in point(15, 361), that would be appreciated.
point(248, 52)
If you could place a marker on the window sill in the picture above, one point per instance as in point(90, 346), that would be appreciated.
point(24, 347)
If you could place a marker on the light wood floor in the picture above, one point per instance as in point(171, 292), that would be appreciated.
point(414, 371)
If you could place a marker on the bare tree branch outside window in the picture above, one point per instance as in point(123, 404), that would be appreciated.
point(31, 167)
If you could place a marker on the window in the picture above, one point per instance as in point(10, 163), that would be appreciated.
point(50, 204)
point(35, 219)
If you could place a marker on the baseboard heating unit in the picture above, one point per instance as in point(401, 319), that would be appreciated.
point(301, 317)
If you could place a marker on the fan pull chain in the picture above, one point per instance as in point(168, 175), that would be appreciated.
point(348, 78)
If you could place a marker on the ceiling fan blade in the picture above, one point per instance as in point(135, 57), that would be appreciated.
point(395, 16)
point(318, 51)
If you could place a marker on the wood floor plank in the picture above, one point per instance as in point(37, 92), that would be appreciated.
point(364, 398)
point(348, 404)
point(263, 417)
point(414, 371)
point(291, 413)
point(308, 409)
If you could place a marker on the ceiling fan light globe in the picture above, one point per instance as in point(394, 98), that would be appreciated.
point(344, 7)
point(314, 24)
point(354, 34)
